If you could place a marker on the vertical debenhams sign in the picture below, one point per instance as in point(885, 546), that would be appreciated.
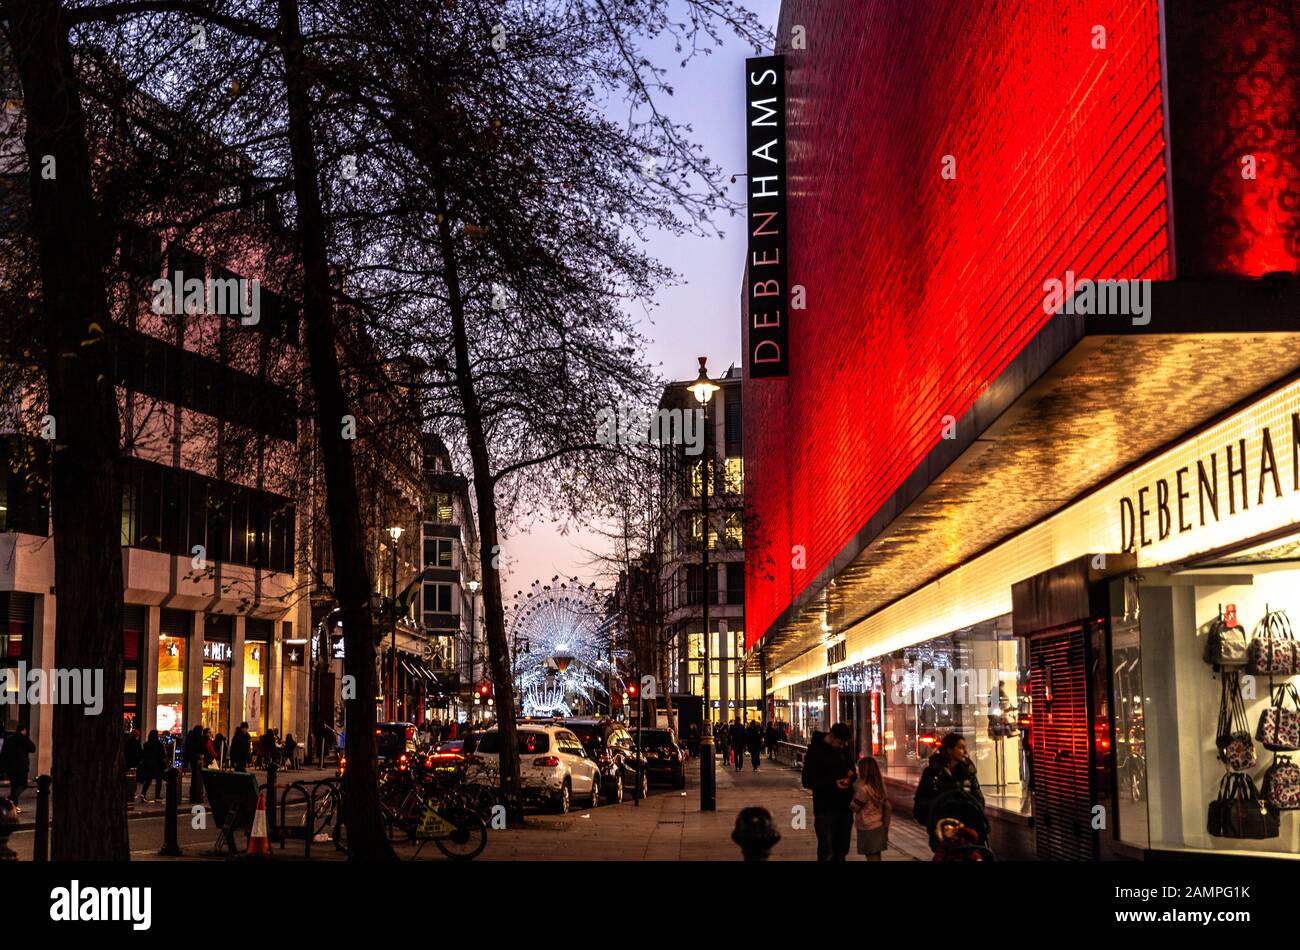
point(766, 293)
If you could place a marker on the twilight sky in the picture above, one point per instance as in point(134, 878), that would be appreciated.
point(698, 317)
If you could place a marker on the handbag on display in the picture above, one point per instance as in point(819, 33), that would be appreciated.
point(1282, 784)
point(1239, 812)
point(1273, 650)
point(1225, 647)
point(1279, 727)
point(1236, 750)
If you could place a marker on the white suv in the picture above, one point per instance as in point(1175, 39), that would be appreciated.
point(553, 766)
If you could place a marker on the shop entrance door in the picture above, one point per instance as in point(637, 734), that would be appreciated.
point(1058, 685)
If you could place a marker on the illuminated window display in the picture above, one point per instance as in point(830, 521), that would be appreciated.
point(255, 667)
point(216, 686)
point(170, 715)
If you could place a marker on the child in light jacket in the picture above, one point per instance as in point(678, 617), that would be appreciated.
point(871, 809)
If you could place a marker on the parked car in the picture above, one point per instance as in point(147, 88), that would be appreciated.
point(665, 757)
point(609, 744)
point(553, 767)
point(394, 738)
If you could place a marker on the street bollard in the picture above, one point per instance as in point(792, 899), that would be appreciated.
point(272, 830)
point(171, 848)
point(755, 833)
point(708, 779)
point(196, 781)
point(8, 822)
point(41, 850)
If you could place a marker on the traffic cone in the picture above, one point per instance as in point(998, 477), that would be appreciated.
point(259, 846)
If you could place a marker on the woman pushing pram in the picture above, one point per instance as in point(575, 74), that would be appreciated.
point(950, 804)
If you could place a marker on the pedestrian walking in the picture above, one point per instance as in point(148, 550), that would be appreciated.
point(871, 809)
point(267, 750)
point(131, 750)
point(290, 751)
point(192, 751)
point(737, 741)
point(153, 765)
point(209, 748)
point(15, 762)
point(828, 772)
point(724, 742)
point(241, 748)
point(769, 738)
point(754, 740)
point(948, 770)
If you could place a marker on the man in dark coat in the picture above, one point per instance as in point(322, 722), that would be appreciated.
point(754, 740)
point(241, 748)
point(192, 752)
point(828, 772)
point(15, 761)
point(769, 738)
point(737, 744)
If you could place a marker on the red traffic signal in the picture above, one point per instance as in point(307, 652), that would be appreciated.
point(484, 689)
point(631, 690)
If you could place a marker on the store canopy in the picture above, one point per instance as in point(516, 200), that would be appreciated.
point(1086, 399)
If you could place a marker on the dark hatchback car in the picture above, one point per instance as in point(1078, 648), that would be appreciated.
point(613, 748)
point(665, 759)
point(394, 738)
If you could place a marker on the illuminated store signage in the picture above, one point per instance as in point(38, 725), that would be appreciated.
point(766, 291)
point(1216, 486)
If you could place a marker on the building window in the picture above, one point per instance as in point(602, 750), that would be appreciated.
point(438, 508)
point(696, 471)
point(735, 529)
point(732, 429)
point(437, 598)
point(697, 530)
point(733, 476)
point(438, 552)
point(736, 582)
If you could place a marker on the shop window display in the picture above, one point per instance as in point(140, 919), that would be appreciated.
point(1217, 719)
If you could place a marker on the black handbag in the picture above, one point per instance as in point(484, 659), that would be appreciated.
point(1240, 812)
point(1236, 750)
point(1226, 645)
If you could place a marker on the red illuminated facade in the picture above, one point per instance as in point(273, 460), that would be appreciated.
point(945, 159)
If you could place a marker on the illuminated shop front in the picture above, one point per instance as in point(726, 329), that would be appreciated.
point(1054, 686)
point(258, 635)
point(218, 672)
point(173, 650)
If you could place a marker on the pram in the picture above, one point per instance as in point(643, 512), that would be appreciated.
point(958, 829)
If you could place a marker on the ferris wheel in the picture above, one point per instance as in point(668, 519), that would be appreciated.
point(560, 647)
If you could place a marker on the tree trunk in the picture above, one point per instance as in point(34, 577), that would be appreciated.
point(494, 619)
point(352, 585)
point(89, 811)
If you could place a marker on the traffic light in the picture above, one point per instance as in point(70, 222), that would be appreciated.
point(631, 690)
point(484, 689)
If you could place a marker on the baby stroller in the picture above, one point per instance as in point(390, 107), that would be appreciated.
point(958, 829)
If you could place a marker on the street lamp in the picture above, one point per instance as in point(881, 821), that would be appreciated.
point(473, 604)
point(395, 533)
point(703, 389)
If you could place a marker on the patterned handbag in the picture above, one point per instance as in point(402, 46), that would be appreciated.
point(1239, 812)
point(1282, 784)
point(1279, 727)
point(1236, 750)
point(1273, 650)
point(1225, 647)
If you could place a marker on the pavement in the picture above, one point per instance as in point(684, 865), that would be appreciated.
point(666, 826)
point(669, 826)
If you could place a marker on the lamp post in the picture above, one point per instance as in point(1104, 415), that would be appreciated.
point(703, 389)
point(473, 604)
point(395, 533)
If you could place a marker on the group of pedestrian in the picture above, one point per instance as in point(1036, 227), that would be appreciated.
point(737, 739)
point(850, 795)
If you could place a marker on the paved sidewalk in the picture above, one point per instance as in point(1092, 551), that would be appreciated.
point(669, 826)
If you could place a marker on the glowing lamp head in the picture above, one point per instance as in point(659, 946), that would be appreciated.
point(703, 387)
point(395, 533)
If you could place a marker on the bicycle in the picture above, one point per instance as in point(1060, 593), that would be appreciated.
point(418, 815)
